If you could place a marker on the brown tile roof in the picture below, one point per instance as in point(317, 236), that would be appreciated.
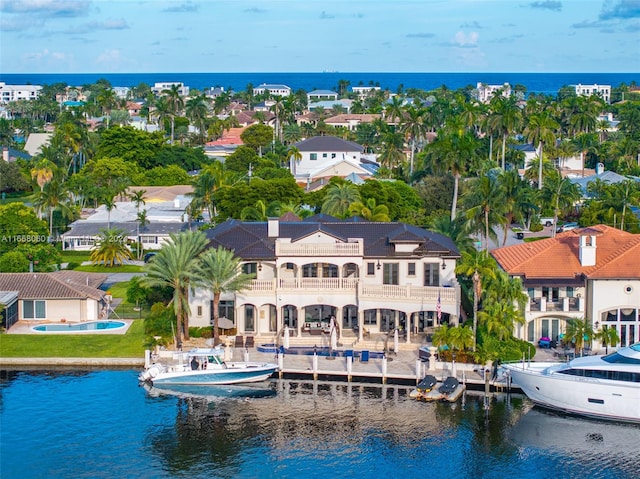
point(617, 256)
point(59, 285)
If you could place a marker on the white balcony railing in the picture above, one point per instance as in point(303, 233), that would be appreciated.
point(447, 295)
point(319, 249)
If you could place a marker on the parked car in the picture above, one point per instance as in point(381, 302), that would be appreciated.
point(149, 256)
point(546, 221)
point(567, 227)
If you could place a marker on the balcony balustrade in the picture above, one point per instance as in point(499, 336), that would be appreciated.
point(561, 305)
point(319, 249)
point(447, 295)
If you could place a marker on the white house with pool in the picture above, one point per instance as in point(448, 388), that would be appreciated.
point(61, 296)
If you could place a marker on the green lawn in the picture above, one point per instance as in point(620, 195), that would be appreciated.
point(75, 256)
point(129, 345)
point(119, 290)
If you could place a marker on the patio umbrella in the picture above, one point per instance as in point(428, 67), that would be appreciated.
point(396, 345)
point(334, 339)
point(285, 339)
point(225, 323)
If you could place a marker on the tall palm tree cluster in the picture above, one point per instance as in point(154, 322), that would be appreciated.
point(184, 263)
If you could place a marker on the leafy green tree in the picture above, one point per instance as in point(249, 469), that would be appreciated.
point(18, 222)
point(163, 176)
point(111, 248)
point(219, 271)
point(241, 160)
point(12, 178)
point(136, 292)
point(14, 262)
point(258, 137)
point(131, 145)
point(175, 267)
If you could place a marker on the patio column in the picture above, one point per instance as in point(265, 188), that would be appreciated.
point(339, 320)
point(360, 324)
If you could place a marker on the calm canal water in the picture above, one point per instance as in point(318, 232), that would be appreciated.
point(101, 424)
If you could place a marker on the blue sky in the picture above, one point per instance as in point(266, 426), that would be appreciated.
point(78, 36)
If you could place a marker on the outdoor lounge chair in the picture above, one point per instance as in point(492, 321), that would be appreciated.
point(239, 341)
point(249, 342)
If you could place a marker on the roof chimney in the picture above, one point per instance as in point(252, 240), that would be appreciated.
point(273, 227)
point(587, 250)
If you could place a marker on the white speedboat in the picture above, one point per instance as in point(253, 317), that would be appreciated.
point(206, 367)
point(605, 387)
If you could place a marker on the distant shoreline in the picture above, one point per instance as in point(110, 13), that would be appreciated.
point(546, 83)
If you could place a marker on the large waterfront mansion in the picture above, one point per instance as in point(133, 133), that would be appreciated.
point(371, 277)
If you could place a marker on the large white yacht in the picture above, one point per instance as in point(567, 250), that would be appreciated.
point(605, 387)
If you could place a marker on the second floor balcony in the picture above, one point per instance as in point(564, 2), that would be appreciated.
point(352, 286)
point(565, 304)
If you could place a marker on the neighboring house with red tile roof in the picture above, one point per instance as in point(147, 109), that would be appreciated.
point(589, 273)
point(70, 295)
point(368, 275)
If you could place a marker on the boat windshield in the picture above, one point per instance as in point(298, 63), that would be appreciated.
point(620, 359)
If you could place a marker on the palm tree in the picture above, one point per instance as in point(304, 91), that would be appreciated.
point(175, 104)
point(622, 194)
point(54, 196)
point(441, 336)
point(414, 127)
point(141, 222)
point(560, 193)
point(370, 211)
point(461, 338)
point(175, 266)
point(391, 154)
point(476, 265)
point(43, 172)
point(456, 229)
point(219, 271)
point(196, 111)
point(295, 156)
point(505, 117)
point(111, 248)
point(541, 130)
point(579, 330)
point(608, 336)
point(339, 198)
point(486, 206)
point(109, 205)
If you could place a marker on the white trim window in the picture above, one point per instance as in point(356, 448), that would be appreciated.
point(34, 309)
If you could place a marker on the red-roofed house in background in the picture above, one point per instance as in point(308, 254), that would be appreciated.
point(590, 273)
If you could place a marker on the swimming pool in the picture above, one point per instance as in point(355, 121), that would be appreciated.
point(89, 326)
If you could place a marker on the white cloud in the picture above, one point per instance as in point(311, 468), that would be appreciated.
point(466, 40)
